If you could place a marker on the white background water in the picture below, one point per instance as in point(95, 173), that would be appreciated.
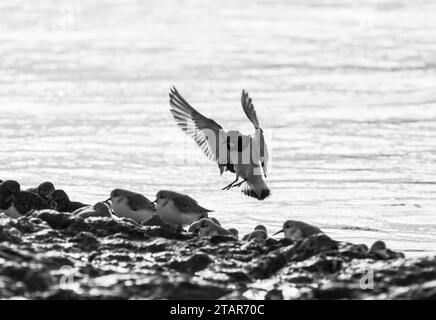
point(345, 89)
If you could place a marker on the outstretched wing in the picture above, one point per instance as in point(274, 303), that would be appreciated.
point(206, 132)
point(248, 107)
point(261, 150)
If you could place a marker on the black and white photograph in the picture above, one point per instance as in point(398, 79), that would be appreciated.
point(235, 151)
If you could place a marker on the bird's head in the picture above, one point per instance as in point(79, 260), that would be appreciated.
point(102, 209)
point(234, 232)
point(288, 229)
point(215, 220)
point(260, 227)
point(258, 236)
point(45, 189)
point(116, 195)
point(162, 197)
point(11, 186)
point(60, 196)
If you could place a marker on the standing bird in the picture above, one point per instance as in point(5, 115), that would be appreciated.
point(131, 205)
point(8, 189)
point(244, 155)
point(178, 209)
point(298, 230)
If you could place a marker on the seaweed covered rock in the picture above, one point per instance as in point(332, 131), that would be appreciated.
point(52, 255)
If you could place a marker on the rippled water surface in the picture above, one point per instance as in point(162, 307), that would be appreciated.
point(345, 89)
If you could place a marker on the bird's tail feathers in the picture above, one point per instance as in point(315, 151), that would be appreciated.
point(256, 188)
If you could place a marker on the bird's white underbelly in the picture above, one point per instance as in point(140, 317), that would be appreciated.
point(122, 210)
point(13, 212)
point(170, 214)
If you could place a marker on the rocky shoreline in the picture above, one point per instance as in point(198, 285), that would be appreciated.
point(52, 255)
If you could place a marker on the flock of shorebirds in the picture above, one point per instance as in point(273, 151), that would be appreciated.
point(229, 149)
point(173, 208)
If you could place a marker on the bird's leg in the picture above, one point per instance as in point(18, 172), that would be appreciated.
point(239, 184)
point(231, 184)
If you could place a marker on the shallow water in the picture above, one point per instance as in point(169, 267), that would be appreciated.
point(344, 89)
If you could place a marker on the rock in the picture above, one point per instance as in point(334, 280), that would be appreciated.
point(324, 265)
point(54, 219)
point(9, 235)
point(113, 258)
point(86, 240)
point(274, 294)
point(191, 265)
point(222, 239)
point(194, 291)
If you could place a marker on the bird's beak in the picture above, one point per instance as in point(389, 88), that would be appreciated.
point(107, 200)
point(154, 201)
point(278, 232)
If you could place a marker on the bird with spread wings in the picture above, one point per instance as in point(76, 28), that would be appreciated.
point(244, 155)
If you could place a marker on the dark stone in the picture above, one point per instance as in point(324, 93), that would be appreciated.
point(239, 276)
point(191, 265)
point(222, 238)
point(336, 291)
point(121, 259)
point(194, 291)
point(55, 220)
point(325, 265)
point(9, 235)
point(86, 240)
point(274, 294)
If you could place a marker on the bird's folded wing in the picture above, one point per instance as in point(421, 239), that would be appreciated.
point(187, 204)
point(205, 131)
point(248, 107)
point(139, 202)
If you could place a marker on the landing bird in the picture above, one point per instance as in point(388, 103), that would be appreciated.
point(206, 228)
point(244, 155)
point(178, 209)
point(8, 189)
point(298, 230)
point(24, 202)
point(131, 205)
